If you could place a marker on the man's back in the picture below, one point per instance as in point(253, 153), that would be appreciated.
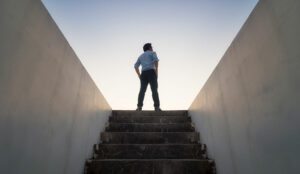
point(147, 60)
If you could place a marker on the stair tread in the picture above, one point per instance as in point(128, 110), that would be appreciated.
point(148, 112)
point(150, 132)
point(183, 144)
point(133, 116)
point(149, 119)
point(150, 166)
point(146, 151)
point(149, 142)
point(206, 160)
point(153, 133)
point(149, 137)
point(152, 124)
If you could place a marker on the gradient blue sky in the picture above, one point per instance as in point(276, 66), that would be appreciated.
point(189, 36)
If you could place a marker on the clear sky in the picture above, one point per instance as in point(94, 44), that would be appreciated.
point(189, 36)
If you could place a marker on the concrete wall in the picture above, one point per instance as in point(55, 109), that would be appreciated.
point(51, 111)
point(248, 111)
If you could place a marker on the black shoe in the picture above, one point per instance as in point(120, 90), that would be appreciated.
point(158, 109)
point(139, 109)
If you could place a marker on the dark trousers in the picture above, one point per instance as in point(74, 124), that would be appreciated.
point(148, 76)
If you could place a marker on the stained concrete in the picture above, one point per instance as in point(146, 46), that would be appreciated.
point(149, 119)
point(152, 166)
point(149, 113)
point(248, 111)
point(149, 137)
point(51, 111)
point(134, 151)
point(149, 151)
point(150, 127)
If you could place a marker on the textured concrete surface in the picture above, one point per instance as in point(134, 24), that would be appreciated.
point(149, 151)
point(150, 127)
point(153, 166)
point(51, 112)
point(155, 151)
point(150, 113)
point(149, 119)
point(149, 137)
point(248, 111)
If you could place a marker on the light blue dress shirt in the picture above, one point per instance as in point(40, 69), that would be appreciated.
point(147, 60)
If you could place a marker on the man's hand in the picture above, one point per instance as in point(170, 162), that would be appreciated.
point(137, 70)
point(156, 68)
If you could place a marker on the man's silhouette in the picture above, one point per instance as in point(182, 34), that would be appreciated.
point(149, 62)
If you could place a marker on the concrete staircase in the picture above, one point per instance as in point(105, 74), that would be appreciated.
point(149, 142)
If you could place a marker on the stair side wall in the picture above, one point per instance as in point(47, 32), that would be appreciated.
point(51, 111)
point(248, 111)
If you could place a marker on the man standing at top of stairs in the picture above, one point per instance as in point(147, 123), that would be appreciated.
point(149, 62)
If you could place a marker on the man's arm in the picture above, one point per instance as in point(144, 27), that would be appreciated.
point(137, 70)
point(136, 67)
point(155, 60)
point(156, 68)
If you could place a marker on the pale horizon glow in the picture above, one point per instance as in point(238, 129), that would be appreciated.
point(190, 37)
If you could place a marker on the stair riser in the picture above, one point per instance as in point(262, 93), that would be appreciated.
point(150, 167)
point(149, 138)
point(149, 143)
point(115, 127)
point(148, 119)
point(148, 152)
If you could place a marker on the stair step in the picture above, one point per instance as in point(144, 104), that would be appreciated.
point(150, 166)
point(149, 137)
point(148, 151)
point(150, 113)
point(149, 142)
point(149, 119)
point(150, 127)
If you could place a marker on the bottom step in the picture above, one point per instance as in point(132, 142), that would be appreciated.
point(151, 166)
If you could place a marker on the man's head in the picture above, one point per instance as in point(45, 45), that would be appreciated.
point(147, 47)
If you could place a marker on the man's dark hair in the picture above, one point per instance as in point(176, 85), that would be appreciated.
point(147, 47)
